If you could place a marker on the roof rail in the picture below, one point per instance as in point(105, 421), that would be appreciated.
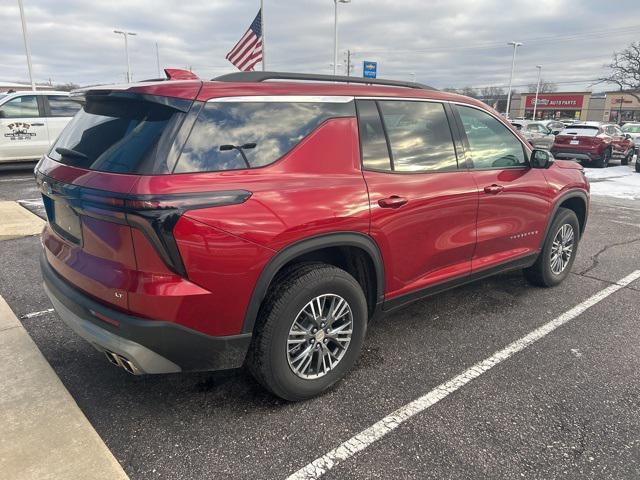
point(251, 77)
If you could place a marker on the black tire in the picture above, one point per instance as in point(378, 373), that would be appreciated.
point(541, 273)
point(637, 166)
point(626, 160)
point(268, 358)
point(605, 159)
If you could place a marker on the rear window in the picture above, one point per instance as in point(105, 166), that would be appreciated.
point(240, 135)
point(119, 136)
point(584, 131)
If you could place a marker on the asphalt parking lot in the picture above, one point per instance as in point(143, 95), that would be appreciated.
point(566, 406)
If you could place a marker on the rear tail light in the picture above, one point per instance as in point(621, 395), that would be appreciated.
point(154, 215)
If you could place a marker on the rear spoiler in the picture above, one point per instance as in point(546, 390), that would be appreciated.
point(144, 90)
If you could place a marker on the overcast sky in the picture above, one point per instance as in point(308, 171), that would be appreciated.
point(454, 43)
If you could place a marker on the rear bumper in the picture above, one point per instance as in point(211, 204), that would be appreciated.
point(149, 346)
point(582, 155)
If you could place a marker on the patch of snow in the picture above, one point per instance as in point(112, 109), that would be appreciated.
point(619, 181)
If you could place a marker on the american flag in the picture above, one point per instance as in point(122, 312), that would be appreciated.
point(247, 53)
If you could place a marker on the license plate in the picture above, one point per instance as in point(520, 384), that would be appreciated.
point(66, 222)
point(574, 142)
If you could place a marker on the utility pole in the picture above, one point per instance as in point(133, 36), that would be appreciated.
point(620, 107)
point(535, 102)
point(27, 49)
point(158, 60)
point(126, 50)
point(513, 65)
point(348, 63)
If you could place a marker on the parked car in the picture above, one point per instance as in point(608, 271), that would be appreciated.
point(31, 121)
point(205, 225)
point(593, 143)
point(538, 135)
point(555, 126)
point(633, 130)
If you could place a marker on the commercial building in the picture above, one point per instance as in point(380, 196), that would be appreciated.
point(583, 106)
point(563, 105)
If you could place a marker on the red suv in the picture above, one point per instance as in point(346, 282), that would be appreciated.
point(594, 143)
point(205, 225)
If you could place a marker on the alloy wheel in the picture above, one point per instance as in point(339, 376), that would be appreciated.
point(319, 336)
point(562, 248)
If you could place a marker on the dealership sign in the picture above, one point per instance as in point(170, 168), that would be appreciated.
point(558, 102)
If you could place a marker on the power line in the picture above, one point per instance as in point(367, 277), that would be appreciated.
point(530, 40)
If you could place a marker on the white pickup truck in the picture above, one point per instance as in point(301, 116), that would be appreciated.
point(31, 121)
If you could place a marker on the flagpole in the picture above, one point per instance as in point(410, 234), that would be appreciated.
point(264, 37)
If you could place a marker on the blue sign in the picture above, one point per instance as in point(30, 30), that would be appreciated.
point(369, 69)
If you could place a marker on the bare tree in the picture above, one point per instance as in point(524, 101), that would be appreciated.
point(492, 92)
point(545, 87)
point(66, 87)
point(624, 69)
point(469, 92)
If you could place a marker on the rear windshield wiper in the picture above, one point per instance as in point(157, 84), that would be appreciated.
point(67, 152)
point(239, 148)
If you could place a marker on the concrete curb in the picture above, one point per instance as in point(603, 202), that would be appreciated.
point(18, 221)
point(43, 432)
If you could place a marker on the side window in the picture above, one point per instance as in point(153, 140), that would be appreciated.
point(61, 106)
point(491, 144)
point(375, 151)
point(240, 135)
point(419, 136)
point(20, 107)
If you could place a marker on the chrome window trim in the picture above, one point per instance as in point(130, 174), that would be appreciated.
point(284, 99)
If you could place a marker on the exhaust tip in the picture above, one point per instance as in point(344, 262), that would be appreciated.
point(122, 362)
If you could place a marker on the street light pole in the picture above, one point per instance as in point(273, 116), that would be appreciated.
point(335, 34)
point(27, 49)
point(535, 103)
point(513, 65)
point(126, 50)
point(158, 59)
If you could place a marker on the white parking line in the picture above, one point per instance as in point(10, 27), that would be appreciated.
point(389, 423)
point(21, 179)
point(36, 314)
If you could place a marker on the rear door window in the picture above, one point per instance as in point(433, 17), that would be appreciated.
point(491, 144)
point(419, 136)
point(373, 143)
point(62, 106)
point(240, 135)
point(120, 136)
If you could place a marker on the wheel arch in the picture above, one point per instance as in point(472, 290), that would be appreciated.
point(323, 247)
point(575, 200)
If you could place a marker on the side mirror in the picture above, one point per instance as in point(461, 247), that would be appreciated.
point(540, 159)
point(555, 132)
point(627, 136)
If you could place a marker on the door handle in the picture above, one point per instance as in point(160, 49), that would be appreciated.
point(37, 124)
point(493, 189)
point(394, 201)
